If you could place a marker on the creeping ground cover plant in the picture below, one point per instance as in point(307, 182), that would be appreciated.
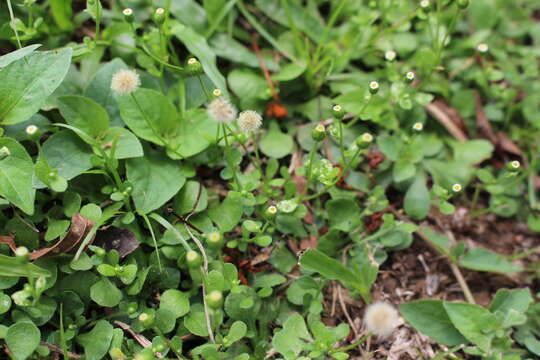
point(269, 179)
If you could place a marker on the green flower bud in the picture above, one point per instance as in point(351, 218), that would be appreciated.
point(22, 254)
point(194, 67)
point(364, 140)
point(117, 354)
point(193, 259)
point(410, 76)
point(145, 354)
point(128, 15)
point(514, 165)
point(215, 240)
point(271, 211)
point(463, 4)
point(374, 87)
point(318, 133)
point(214, 299)
point(146, 319)
point(159, 16)
point(338, 112)
point(425, 5)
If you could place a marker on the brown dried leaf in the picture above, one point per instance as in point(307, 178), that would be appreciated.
point(482, 121)
point(80, 227)
point(9, 241)
point(506, 144)
point(119, 239)
point(449, 118)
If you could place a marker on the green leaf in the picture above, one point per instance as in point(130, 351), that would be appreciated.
point(506, 300)
point(105, 293)
point(237, 331)
point(403, 169)
point(26, 83)
point(290, 340)
point(473, 322)
point(84, 114)
point(316, 261)
point(22, 339)
point(150, 115)
point(165, 320)
point(228, 213)
point(176, 302)
point(192, 194)
point(417, 200)
point(7, 59)
point(16, 172)
point(61, 11)
point(440, 242)
point(155, 179)
point(472, 152)
point(484, 260)
point(343, 214)
point(248, 85)
point(197, 45)
point(429, 317)
point(276, 144)
point(289, 72)
point(195, 322)
point(96, 342)
point(197, 131)
point(127, 144)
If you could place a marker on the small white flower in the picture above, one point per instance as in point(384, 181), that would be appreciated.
point(249, 120)
point(221, 110)
point(410, 76)
point(127, 12)
point(216, 92)
point(192, 61)
point(374, 85)
point(390, 55)
point(160, 11)
point(381, 319)
point(320, 128)
point(125, 82)
point(424, 3)
point(272, 209)
point(515, 164)
point(4, 152)
point(21, 251)
point(214, 237)
point(337, 108)
point(367, 137)
point(31, 129)
point(457, 187)
point(418, 126)
point(482, 47)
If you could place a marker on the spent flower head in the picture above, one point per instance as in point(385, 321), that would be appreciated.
point(381, 319)
point(249, 120)
point(125, 82)
point(221, 110)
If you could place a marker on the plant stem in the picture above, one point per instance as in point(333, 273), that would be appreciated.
point(462, 283)
point(12, 23)
point(227, 149)
point(357, 343)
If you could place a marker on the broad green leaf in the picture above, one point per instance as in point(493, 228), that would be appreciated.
point(96, 342)
point(275, 143)
point(289, 72)
point(155, 179)
point(99, 89)
point(16, 171)
point(197, 45)
point(440, 242)
point(417, 200)
point(165, 320)
point(228, 213)
point(316, 261)
point(127, 144)
point(5, 303)
point(22, 339)
point(61, 12)
point(429, 317)
point(485, 260)
point(290, 340)
point(237, 331)
point(85, 114)
point(197, 131)
point(403, 169)
point(150, 115)
point(249, 85)
point(511, 299)
point(176, 302)
point(105, 293)
point(192, 197)
point(195, 322)
point(26, 83)
point(67, 153)
point(7, 59)
point(192, 14)
point(472, 152)
point(343, 214)
point(473, 322)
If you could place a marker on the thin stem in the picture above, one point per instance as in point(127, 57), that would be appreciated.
point(341, 146)
point(475, 197)
point(98, 19)
point(462, 283)
point(357, 343)
point(228, 148)
point(153, 239)
point(308, 170)
point(333, 17)
point(12, 23)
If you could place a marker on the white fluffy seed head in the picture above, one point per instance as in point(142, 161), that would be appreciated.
point(381, 319)
point(390, 55)
point(125, 82)
point(31, 129)
point(221, 110)
point(249, 120)
point(482, 47)
point(418, 126)
point(457, 187)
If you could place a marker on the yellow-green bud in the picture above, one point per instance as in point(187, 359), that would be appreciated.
point(128, 15)
point(146, 319)
point(193, 259)
point(338, 112)
point(194, 67)
point(364, 140)
point(318, 133)
point(214, 299)
point(463, 4)
point(159, 16)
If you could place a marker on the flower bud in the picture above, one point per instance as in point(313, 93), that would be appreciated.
point(4, 152)
point(514, 165)
point(194, 67)
point(463, 4)
point(145, 354)
point(457, 188)
point(338, 112)
point(390, 55)
point(215, 240)
point(193, 259)
point(117, 354)
point(364, 140)
point(271, 211)
point(128, 15)
point(410, 76)
point(159, 16)
point(425, 5)
point(418, 126)
point(22, 254)
point(214, 299)
point(374, 87)
point(318, 133)
point(146, 319)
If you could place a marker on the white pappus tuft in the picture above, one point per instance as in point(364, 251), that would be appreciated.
point(221, 110)
point(381, 319)
point(249, 120)
point(125, 82)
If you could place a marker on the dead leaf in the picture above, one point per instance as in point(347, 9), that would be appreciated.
point(119, 239)
point(506, 144)
point(8, 240)
point(482, 121)
point(80, 227)
point(449, 118)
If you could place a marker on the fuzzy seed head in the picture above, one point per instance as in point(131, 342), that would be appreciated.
point(515, 164)
point(249, 120)
point(125, 82)
point(418, 126)
point(216, 92)
point(381, 319)
point(192, 61)
point(390, 55)
point(367, 137)
point(424, 3)
point(160, 11)
point(410, 76)
point(127, 12)
point(221, 110)
point(457, 187)
point(31, 129)
point(482, 47)
point(272, 209)
point(374, 85)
